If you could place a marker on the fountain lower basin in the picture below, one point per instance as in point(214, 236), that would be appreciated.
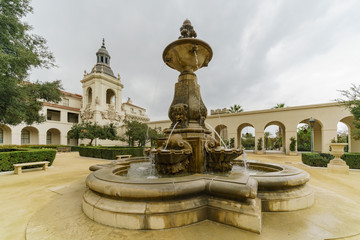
point(138, 203)
point(237, 200)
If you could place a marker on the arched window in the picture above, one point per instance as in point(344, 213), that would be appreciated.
point(25, 136)
point(1, 136)
point(89, 96)
point(110, 96)
point(106, 60)
point(102, 59)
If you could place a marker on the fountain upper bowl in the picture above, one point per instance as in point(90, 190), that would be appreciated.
point(187, 54)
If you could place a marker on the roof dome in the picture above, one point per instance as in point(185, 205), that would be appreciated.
point(102, 50)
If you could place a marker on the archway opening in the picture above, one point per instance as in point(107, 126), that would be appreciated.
point(223, 133)
point(274, 137)
point(353, 145)
point(246, 136)
point(313, 127)
point(5, 135)
point(89, 95)
point(29, 135)
point(303, 139)
point(110, 97)
point(53, 136)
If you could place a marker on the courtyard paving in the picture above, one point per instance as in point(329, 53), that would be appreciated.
point(47, 205)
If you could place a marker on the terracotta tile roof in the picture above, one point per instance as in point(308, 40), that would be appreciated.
point(75, 95)
point(130, 104)
point(61, 106)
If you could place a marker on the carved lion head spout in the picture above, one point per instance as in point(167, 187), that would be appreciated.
point(211, 143)
point(178, 113)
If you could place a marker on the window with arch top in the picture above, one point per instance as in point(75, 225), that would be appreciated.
point(110, 96)
point(89, 95)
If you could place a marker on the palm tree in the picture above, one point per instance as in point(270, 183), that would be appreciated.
point(279, 105)
point(234, 109)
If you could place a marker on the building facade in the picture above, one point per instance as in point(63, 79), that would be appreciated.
point(101, 102)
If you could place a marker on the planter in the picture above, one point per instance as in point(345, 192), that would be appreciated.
point(337, 165)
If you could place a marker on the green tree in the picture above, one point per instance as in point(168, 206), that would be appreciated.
point(292, 146)
point(89, 130)
point(20, 51)
point(304, 138)
point(279, 105)
point(234, 109)
point(140, 133)
point(248, 141)
point(352, 102)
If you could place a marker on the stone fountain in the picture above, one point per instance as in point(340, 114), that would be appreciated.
point(191, 148)
point(236, 199)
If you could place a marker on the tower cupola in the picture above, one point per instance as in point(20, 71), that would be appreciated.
point(103, 55)
point(103, 61)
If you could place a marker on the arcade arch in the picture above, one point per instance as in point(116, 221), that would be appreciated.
point(246, 131)
point(110, 97)
point(53, 136)
point(278, 131)
point(29, 135)
point(318, 133)
point(222, 132)
point(5, 135)
point(354, 145)
point(89, 96)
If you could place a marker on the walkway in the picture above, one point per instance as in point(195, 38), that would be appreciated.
point(47, 205)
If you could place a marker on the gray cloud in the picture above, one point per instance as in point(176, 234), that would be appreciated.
point(265, 52)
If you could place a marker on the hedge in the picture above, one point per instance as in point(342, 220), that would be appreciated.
point(110, 152)
point(19, 155)
point(322, 159)
point(73, 148)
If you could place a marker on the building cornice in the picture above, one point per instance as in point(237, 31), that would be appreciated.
point(103, 76)
point(303, 107)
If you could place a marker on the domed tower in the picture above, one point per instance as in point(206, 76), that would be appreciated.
point(102, 91)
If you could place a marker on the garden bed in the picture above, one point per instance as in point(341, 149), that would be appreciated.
point(11, 156)
point(110, 152)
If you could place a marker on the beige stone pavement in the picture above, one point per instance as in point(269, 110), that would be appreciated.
point(47, 205)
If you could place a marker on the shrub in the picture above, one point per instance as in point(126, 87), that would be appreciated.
point(7, 159)
point(314, 159)
point(110, 152)
point(352, 159)
point(292, 144)
point(322, 159)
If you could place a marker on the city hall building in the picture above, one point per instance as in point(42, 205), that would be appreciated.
point(101, 102)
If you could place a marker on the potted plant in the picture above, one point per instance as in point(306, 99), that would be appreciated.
point(292, 147)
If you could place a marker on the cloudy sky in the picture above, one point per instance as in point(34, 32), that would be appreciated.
point(296, 52)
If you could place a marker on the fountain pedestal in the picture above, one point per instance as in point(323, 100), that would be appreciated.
point(187, 111)
point(337, 165)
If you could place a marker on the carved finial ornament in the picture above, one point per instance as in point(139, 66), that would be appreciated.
point(187, 30)
point(103, 43)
